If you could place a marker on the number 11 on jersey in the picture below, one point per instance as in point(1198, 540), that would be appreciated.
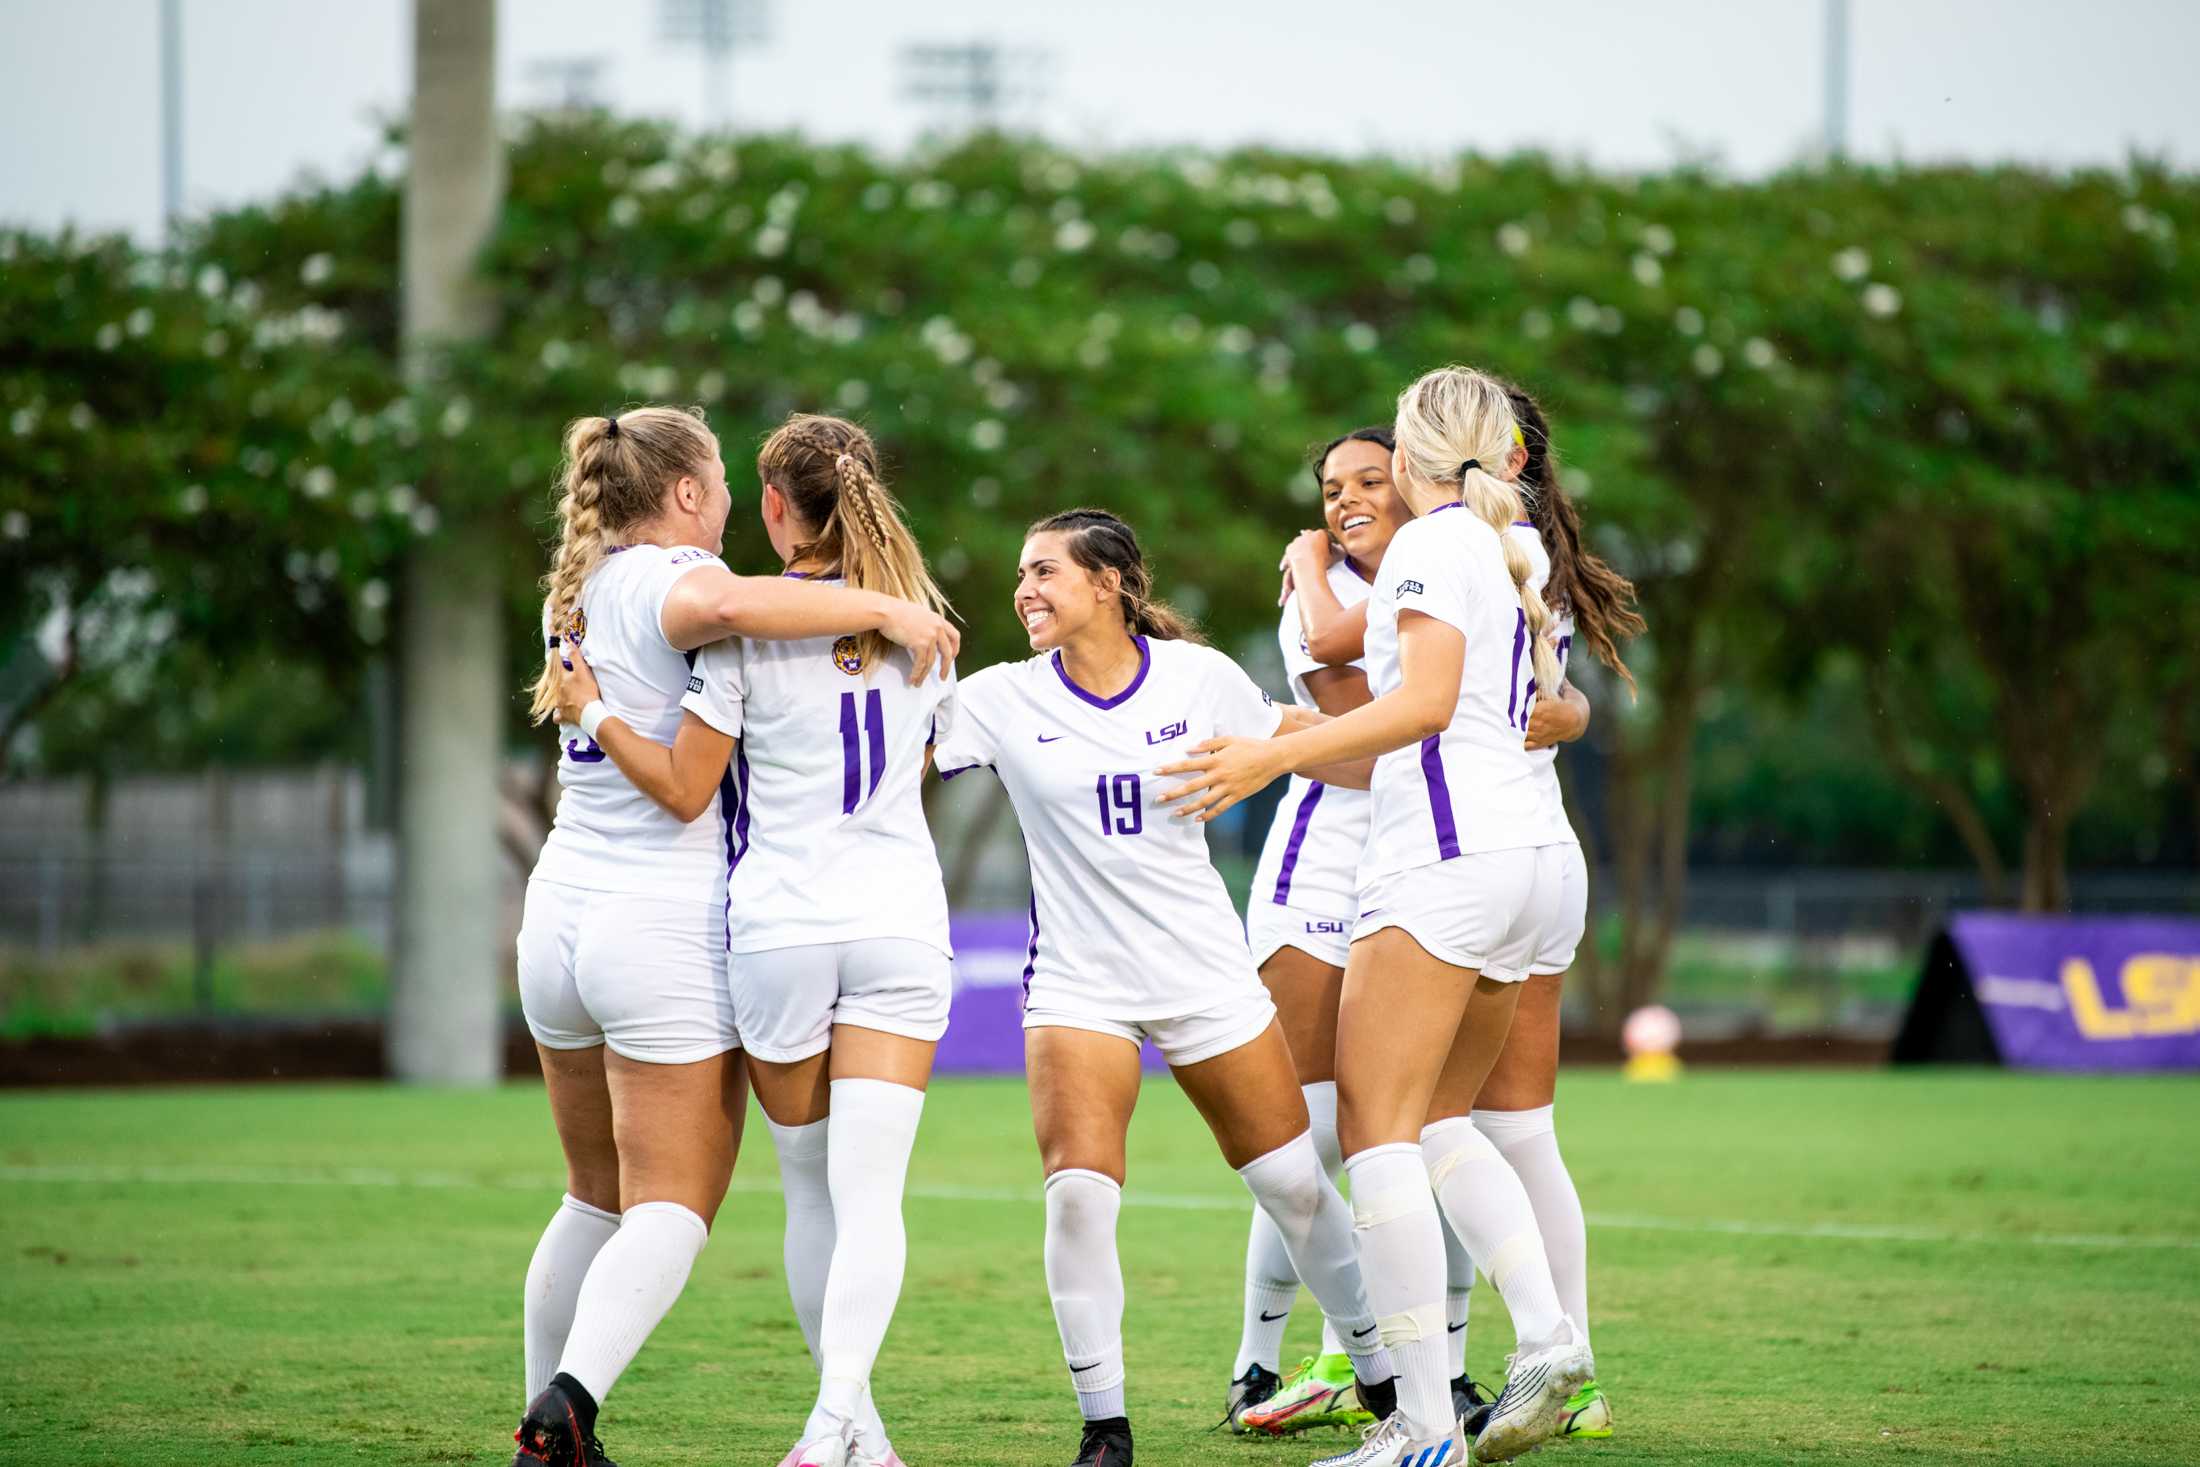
point(853, 791)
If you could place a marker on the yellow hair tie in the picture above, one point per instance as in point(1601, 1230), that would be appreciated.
point(1518, 438)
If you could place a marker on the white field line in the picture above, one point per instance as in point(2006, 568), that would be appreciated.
point(220, 1176)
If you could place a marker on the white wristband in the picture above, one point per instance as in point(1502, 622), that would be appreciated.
point(592, 717)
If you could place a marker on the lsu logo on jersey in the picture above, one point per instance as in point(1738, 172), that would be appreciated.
point(576, 625)
point(848, 656)
point(1167, 732)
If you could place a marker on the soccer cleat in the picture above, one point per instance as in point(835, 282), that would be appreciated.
point(1106, 1443)
point(1256, 1385)
point(1587, 1414)
point(1320, 1392)
point(1469, 1405)
point(825, 1451)
point(559, 1429)
point(1526, 1413)
point(1386, 1444)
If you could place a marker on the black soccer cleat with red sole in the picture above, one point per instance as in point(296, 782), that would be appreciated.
point(559, 1429)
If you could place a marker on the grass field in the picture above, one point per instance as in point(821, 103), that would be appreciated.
point(1841, 1267)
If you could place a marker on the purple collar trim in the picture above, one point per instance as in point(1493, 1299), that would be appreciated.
point(1354, 566)
point(1145, 665)
point(1448, 504)
point(1523, 524)
point(616, 549)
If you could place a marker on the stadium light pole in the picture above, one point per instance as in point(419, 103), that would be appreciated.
point(443, 1019)
point(974, 81)
point(1836, 138)
point(171, 117)
point(716, 27)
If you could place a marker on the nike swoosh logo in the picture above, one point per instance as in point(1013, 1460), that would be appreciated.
point(1268, 1318)
point(1452, 1329)
point(1051, 738)
point(1359, 1332)
point(1075, 1367)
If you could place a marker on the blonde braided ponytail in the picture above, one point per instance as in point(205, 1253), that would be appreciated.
point(615, 475)
point(828, 469)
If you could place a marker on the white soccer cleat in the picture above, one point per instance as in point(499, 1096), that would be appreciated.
point(1386, 1444)
point(1529, 1411)
point(823, 1451)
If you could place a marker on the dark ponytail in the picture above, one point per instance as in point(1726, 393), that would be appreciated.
point(1600, 599)
point(1100, 541)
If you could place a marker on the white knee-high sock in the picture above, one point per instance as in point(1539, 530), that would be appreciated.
point(1085, 1282)
point(634, 1280)
point(554, 1276)
point(871, 1130)
point(1529, 1140)
point(1458, 1291)
point(1489, 1209)
point(807, 1249)
point(1271, 1279)
point(1311, 1216)
point(1321, 1117)
point(1402, 1260)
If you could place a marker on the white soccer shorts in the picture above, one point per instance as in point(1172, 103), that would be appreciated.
point(1183, 1039)
point(1324, 936)
point(1555, 949)
point(1488, 911)
point(787, 999)
point(643, 974)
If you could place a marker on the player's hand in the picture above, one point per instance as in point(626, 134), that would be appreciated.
point(1558, 720)
point(576, 683)
point(1308, 554)
point(1222, 772)
point(928, 636)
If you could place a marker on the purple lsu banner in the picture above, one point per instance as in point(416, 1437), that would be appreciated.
point(2085, 993)
point(985, 1023)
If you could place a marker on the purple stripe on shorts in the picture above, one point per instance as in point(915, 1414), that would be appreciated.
point(1439, 798)
point(1299, 822)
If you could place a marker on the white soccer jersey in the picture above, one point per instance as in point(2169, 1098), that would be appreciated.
point(1472, 787)
point(1311, 859)
point(608, 835)
point(1130, 920)
point(829, 838)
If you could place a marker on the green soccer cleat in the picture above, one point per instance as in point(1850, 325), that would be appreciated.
point(1588, 1415)
point(1321, 1392)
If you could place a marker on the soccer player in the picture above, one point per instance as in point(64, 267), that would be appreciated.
point(1514, 1104)
point(836, 916)
point(622, 942)
point(1133, 937)
point(1463, 864)
point(1299, 918)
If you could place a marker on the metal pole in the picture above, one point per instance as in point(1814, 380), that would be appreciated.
point(1837, 79)
point(171, 116)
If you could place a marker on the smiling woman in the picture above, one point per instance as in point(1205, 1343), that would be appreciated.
point(1133, 938)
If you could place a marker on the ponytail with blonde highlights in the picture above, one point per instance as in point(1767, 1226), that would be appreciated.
point(615, 475)
point(828, 468)
point(1454, 426)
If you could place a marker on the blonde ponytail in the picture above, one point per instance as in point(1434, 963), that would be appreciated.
point(614, 477)
point(828, 469)
point(1450, 423)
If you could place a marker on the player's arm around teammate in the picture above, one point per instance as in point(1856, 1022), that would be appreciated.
point(1448, 892)
point(1133, 937)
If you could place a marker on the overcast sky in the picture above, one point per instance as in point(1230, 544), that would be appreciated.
point(278, 88)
